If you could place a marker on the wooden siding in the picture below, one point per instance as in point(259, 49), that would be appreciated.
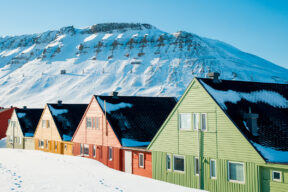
point(50, 134)
point(14, 133)
point(222, 141)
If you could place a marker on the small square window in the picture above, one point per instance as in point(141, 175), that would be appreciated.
point(179, 163)
point(141, 160)
point(276, 176)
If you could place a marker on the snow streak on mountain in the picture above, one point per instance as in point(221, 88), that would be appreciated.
point(134, 59)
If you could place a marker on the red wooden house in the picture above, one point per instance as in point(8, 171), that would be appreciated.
point(115, 130)
point(5, 116)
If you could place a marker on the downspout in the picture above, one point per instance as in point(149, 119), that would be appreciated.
point(199, 151)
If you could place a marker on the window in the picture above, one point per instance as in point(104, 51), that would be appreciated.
point(97, 122)
point(196, 166)
point(168, 162)
point(93, 123)
point(55, 146)
point(276, 176)
point(196, 119)
point(39, 143)
point(46, 144)
point(236, 172)
point(86, 149)
point(11, 140)
point(94, 150)
point(42, 144)
point(184, 121)
point(65, 147)
point(203, 121)
point(81, 149)
point(88, 122)
point(141, 160)
point(110, 153)
point(20, 140)
point(213, 169)
point(45, 123)
point(179, 162)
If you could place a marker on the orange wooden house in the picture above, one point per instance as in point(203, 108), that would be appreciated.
point(56, 127)
point(115, 130)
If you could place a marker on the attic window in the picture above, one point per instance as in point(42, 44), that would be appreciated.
point(88, 122)
point(184, 121)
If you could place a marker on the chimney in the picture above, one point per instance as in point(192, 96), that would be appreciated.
point(214, 76)
point(59, 102)
point(251, 121)
point(114, 94)
point(24, 107)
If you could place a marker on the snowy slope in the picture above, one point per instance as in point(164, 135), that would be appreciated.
point(134, 59)
point(33, 171)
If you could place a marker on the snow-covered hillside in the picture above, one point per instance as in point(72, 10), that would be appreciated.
point(33, 171)
point(134, 59)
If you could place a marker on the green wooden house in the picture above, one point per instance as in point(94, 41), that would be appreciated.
point(225, 136)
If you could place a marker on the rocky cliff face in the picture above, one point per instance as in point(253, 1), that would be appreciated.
point(134, 59)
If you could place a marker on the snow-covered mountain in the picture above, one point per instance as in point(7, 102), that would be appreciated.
point(133, 59)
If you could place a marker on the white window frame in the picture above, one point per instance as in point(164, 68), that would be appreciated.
point(277, 180)
point(94, 150)
point(47, 123)
point(181, 157)
point(139, 157)
point(43, 123)
point(179, 124)
point(236, 181)
point(86, 146)
point(202, 121)
point(193, 120)
point(110, 153)
point(213, 177)
point(97, 123)
point(42, 144)
point(81, 149)
point(170, 156)
point(196, 174)
point(89, 119)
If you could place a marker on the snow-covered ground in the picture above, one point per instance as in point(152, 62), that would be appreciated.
point(29, 171)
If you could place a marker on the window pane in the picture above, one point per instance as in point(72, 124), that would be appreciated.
point(178, 163)
point(196, 166)
point(88, 122)
point(141, 160)
point(213, 168)
point(97, 122)
point(86, 149)
point(110, 153)
point(203, 122)
point(43, 123)
point(196, 121)
point(185, 121)
point(168, 161)
point(94, 151)
point(236, 171)
point(276, 175)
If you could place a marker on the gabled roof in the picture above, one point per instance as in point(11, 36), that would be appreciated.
point(268, 100)
point(135, 120)
point(5, 115)
point(67, 118)
point(28, 120)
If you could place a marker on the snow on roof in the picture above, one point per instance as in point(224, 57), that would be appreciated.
point(57, 112)
point(67, 137)
point(133, 143)
point(113, 107)
point(120, 36)
point(271, 154)
point(29, 134)
point(91, 37)
point(270, 97)
point(107, 35)
point(21, 115)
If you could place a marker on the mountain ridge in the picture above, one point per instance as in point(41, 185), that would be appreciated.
point(132, 58)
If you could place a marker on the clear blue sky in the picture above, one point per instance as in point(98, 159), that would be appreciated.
point(259, 27)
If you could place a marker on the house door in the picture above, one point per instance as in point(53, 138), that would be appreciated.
point(128, 162)
point(265, 179)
